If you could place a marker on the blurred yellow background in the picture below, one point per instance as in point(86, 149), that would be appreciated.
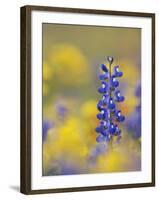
point(71, 58)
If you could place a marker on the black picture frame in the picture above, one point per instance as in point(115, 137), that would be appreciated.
point(26, 82)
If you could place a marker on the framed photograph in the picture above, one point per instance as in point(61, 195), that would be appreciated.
point(87, 99)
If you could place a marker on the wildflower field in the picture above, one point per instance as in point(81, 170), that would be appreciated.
point(91, 99)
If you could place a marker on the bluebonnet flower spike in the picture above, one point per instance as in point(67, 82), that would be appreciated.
point(109, 115)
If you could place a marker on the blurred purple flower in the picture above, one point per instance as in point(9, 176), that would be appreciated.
point(138, 90)
point(68, 168)
point(133, 123)
point(45, 127)
point(96, 151)
point(61, 110)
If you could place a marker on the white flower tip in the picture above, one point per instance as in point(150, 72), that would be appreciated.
point(103, 85)
point(110, 59)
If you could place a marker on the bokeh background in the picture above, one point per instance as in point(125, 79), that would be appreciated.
point(72, 55)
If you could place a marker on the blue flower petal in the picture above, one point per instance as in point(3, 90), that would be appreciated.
point(104, 76)
point(114, 82)
point(117, 73)
point(112, 128)
point(118, 96)
point(104, 68)
point(100, 105)
point(100, 138)
point(98, 129)
point(111, 104)
point(119, 117)
point(99, 116)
